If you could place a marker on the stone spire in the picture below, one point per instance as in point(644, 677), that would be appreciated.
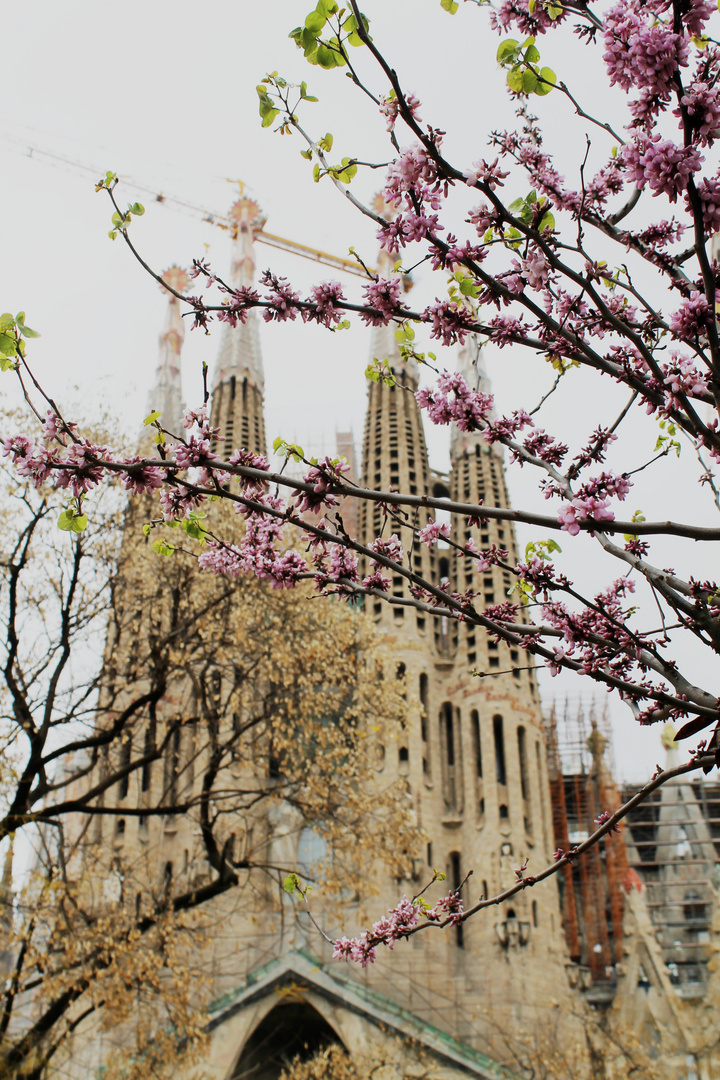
point(477, 475)
point(394, 449)
point(471, 365)
point(238, 383)
point(166, 394)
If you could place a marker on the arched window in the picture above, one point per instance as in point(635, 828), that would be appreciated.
point(423, 706)
point(477, 763)
point(522, 757)
point(477, 745)
point(124, 763)
point(455, 879)
point(451, 763)
point(293, 1030)
point(499, 737)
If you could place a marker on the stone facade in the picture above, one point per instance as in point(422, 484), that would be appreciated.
point(473, 758)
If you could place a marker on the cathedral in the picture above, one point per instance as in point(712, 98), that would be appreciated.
point(510, 985)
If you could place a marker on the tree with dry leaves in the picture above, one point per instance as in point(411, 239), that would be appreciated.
point(157, 725)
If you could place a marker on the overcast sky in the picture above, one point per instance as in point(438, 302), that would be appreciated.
point(164, 94)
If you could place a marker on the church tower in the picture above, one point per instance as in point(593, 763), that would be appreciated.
point(470, 761)
point(238, 385)
point(474, 756)
point(166, 394)
point(395, 458)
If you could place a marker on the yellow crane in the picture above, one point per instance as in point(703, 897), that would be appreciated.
point(222, 221)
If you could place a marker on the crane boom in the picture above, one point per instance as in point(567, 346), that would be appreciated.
point(305, 252)
point(337, 262)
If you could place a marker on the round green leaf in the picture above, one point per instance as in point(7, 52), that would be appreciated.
point(315, 22)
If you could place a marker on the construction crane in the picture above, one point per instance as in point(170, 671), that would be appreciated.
point(221, 221)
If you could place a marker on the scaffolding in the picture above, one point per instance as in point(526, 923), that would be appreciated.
point(580, 769)
point(673, 845)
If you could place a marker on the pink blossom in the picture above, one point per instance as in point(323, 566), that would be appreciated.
point(640, 51)
point(702, 103)
point(325, 297)
point(343, 563)
point(383, 296)
point(390, 109)
point(660, 163)
point(142, 481)
point(50, 426)
point(536, 270)
point(432, 532)
point(377, 580)
point(177, 503)
point(390, 548)
point(284, 301)
point(192, 452)
point(691, 318)
point(709, 192)
point(193, 417)
point(453, 400)
point(83, 472)
point(568, 520)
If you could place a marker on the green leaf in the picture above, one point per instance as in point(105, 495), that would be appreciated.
point(291, 884)
point(450, 6)
point(69, 521)
point(303, 91)
point(315, 22)
point(8, 345)
point(269, 117)
point(468, 287)
point(151, 418)
point(532, 55)
point(547, 221)
point(161, 547)
point(325, 57)
point(327, 142)
point(138, 209)
point(550, 78)
point(146, 528)
point(27, 332)
point(306, 154)
point(554, 11)
point(194, 529)
point(515, 79)
point(506, 49)
point(326, 7)
point(6, 322)
point(529, 81)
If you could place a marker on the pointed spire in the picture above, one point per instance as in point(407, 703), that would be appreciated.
point(471, 365)
point(239, 383)
point(240, 355)
point(394, 448)
point(166, 394)
point(383, 344)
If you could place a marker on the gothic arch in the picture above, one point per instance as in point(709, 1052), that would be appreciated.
point(295, 1029)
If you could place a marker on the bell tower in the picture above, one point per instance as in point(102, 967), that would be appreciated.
point(166, 394)
point(239, 384)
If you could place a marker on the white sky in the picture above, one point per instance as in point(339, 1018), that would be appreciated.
point(165, 95)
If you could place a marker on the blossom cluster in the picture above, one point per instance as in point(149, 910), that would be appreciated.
point(397, 924)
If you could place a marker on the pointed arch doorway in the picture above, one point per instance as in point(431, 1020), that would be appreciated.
point(294, 1029)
